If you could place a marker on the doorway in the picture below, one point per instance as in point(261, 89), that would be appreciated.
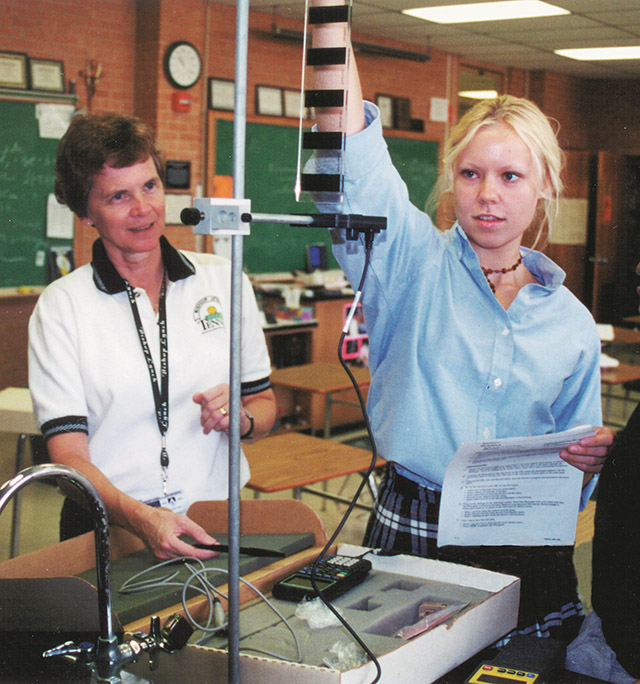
point(613, 245)
point(600, 258)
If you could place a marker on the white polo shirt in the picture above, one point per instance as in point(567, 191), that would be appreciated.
point(87, 371)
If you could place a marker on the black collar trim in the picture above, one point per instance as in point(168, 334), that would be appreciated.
point(107, 278)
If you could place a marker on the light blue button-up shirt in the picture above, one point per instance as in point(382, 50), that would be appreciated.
point(448, 363)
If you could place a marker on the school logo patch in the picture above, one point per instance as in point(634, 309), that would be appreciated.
point(208, 315)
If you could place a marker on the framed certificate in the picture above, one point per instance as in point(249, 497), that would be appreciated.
point(292, 102)
point(13, 70)
point(385, 105)
point(46, 74)
point(221, 94)
point(269, 101)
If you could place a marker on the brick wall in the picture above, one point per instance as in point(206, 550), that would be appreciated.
point(569, 101)
point(129, 37)
point(75, 31)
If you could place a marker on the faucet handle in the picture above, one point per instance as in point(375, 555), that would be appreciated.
point(172, 637)
point(146, 643)
point(84, 651)
point(175, 633)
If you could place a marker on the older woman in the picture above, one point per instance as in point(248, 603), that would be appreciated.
point(129, 355)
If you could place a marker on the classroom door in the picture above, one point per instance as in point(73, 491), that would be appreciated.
point(608, 241)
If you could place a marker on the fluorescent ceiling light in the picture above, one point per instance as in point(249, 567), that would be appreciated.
point(486, 11)
point(478, 94)
point(608, 53)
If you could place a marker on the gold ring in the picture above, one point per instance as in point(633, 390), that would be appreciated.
point(223, 411)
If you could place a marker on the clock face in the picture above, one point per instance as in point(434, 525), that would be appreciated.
point(182, 64)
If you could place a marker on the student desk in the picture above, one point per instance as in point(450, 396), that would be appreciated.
point(16, 411)
point(614, 336)
point(624, 336)
point(293, 460)
point(16, 416)
point(322, 378)
point(621, 374)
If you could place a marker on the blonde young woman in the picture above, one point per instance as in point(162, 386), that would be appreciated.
point(472, 335)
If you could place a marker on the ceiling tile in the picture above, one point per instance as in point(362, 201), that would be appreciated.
point(584, 6)
point(567, 23)
point(526, 44)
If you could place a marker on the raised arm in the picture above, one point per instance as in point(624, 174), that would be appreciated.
point(334, 77)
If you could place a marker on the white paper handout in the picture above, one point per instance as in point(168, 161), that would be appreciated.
point(515, 491)
point(59, 219)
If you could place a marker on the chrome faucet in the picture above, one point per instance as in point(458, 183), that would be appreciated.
point(109, 658)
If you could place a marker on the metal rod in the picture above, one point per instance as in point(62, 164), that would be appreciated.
point(239, 145)
point(15, 517)
point(291, 219)
point(335, 497)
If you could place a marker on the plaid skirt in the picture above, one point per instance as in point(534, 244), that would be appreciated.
point(405, 520)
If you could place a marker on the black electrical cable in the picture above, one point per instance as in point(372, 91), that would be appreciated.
point(365, 478)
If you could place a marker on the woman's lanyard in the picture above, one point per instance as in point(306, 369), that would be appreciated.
point(160, 390)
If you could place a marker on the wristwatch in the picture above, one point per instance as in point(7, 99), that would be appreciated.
point(249, 432)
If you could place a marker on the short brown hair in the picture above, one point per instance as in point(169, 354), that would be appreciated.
point(93, 140)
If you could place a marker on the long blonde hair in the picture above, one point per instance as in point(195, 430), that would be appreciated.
point(534, 129)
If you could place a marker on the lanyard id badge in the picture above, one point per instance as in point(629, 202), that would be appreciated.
point(160, 389)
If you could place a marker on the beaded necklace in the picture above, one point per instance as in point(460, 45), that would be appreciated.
point(488, 271)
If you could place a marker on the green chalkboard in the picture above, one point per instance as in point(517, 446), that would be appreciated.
point(26, 179)
point(270, 171)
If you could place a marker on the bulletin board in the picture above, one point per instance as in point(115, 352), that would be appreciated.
point(26, 179)
point(270, 171)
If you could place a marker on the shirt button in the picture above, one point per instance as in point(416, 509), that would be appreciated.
point(506, 332)
point(497, 382)
point(486, 433)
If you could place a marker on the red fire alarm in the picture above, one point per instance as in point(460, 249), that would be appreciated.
point(181, 102)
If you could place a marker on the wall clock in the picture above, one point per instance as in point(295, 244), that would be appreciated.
point(182, 64)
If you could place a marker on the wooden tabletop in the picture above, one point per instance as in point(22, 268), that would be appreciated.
point(626, 335)
point(622, 336)
point(621, 373)
point(16, 411)
point(292, 459)
point(321, 377)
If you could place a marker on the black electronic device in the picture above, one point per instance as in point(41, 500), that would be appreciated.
point(316, 258)
point(243, 550)
point(334, 576)
point(488, 673)
point(524, 659)
point(177, 175)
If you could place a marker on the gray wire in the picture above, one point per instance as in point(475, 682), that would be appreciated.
point(136, 584)
point(205, 571)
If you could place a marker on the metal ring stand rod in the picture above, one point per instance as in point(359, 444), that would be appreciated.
point(239, 144)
